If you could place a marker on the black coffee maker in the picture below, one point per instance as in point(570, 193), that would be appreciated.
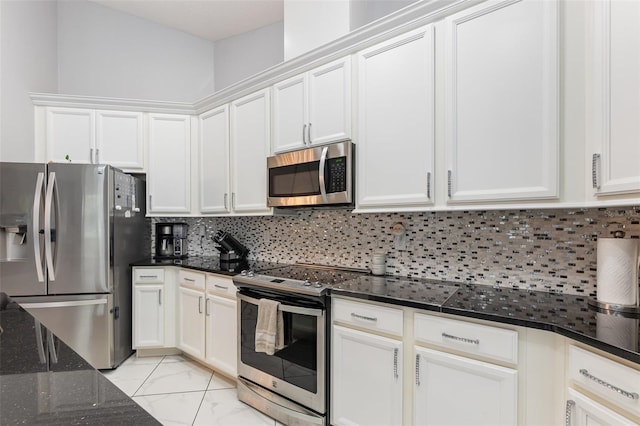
point(171, 240)
point(232, 253)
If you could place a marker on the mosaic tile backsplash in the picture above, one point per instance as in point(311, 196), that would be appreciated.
point(539, 249)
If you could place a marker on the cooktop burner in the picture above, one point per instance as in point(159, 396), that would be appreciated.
point(298, 278)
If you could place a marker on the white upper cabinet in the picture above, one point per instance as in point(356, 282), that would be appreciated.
point(396, 122)
point(250, 146)
point(120, 139)
point(214, 161)
point(95, 137)
point(169, 182)
point(501, 101)
point(615, 100)
point(313, 108)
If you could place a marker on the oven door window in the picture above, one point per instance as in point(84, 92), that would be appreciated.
point(296, 363)
point(296, 180)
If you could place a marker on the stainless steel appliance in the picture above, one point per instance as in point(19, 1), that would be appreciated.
point(322, 175)
point(68, 233)
point(292, 384)
point(171, 240)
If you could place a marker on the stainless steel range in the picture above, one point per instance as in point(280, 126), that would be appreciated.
point(290, 385)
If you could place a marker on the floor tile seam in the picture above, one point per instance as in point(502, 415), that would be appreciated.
point(169, 393)
point(147, 378)
point(204, 395)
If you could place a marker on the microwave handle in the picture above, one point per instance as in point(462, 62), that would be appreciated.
point(323, 160)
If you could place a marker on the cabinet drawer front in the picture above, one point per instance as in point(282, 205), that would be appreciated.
point(191, 279)
point(221, 285)
point(372, 317)
point(148, 275)
point(482, 340)
point(614, 382)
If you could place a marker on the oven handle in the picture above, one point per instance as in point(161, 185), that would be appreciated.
point(286, 308)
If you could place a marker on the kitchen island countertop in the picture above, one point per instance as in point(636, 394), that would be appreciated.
point(43, 381)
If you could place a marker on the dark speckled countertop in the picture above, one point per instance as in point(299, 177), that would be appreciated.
point(568, 315)
point(48, 383)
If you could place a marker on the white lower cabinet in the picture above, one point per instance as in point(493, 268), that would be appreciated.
point(583, 411)
point(445, 383)
point(191, 328)
point(153, 308)
point(366, 378)
point(221, 329)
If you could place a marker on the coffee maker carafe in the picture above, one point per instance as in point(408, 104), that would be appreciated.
point(171, 240)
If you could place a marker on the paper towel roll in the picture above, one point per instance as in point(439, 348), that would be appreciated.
point(617, 272)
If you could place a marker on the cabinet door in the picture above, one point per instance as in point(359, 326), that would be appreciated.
point(168, 182)
point(250, 142)
point(290, 113)
point(148, 316)
point(396, 122)
point(501, 95)
point(222, 334)
point(444, 383)
point(583, 411)
point(616, 96)
point(214, 161)
point(70, 132)
point(191, 322)
point(120, 139)
point(366, 378)
point(330, 102)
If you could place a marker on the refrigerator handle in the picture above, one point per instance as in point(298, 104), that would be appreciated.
point(47, 226)
point(36, 226)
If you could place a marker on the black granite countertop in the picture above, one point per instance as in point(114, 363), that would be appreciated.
point(43, 381)
point(568, 315)
point(209, 264)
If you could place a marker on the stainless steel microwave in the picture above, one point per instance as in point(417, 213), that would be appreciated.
point(317, 176)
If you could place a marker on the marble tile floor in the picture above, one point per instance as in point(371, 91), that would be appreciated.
point(178, 391)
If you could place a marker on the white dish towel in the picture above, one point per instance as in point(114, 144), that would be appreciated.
point(269, 327)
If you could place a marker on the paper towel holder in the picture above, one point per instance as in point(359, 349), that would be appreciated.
point(610, 308)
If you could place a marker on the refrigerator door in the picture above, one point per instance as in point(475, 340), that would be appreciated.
point(22, 271)
point(77, 228)
point(83, 322)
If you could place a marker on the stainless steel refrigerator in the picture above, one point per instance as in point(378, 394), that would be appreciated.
point(68, 233)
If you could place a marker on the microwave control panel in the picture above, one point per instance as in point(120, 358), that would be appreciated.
point(337, 171)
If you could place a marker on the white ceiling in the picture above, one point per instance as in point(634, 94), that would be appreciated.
point(208, 19)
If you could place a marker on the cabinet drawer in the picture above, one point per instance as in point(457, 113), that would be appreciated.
point(372, 317)
point(221, 285)
point(148, 275)
point(482, 340)
point(191, 279)
point(614, 382)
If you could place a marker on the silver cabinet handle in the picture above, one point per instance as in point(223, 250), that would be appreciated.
point(150, 204)
point(91, 155)
point(595, 168)
point(206, 307)
point(568, 411)
point(233, 200)
point(461, 339)
point(226, 197)
point(309, 134)
point(429, 185)
point(219, 286)
point(191, 280)
point(630, 395)
point(362, 317)
point(160, 297)
point(449, 178)
point(148, 276)
point(323, 160)
point(304, 128)
point(417, 369)
point(35, 234)
point(395, 363)
point(199, 304)
point(97, 155)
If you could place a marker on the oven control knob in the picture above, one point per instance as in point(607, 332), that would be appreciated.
point(317, 285)
point(250, 273)
point(307, 283)
point(243, 272)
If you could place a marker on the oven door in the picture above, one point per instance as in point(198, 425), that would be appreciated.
point(298, 370)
